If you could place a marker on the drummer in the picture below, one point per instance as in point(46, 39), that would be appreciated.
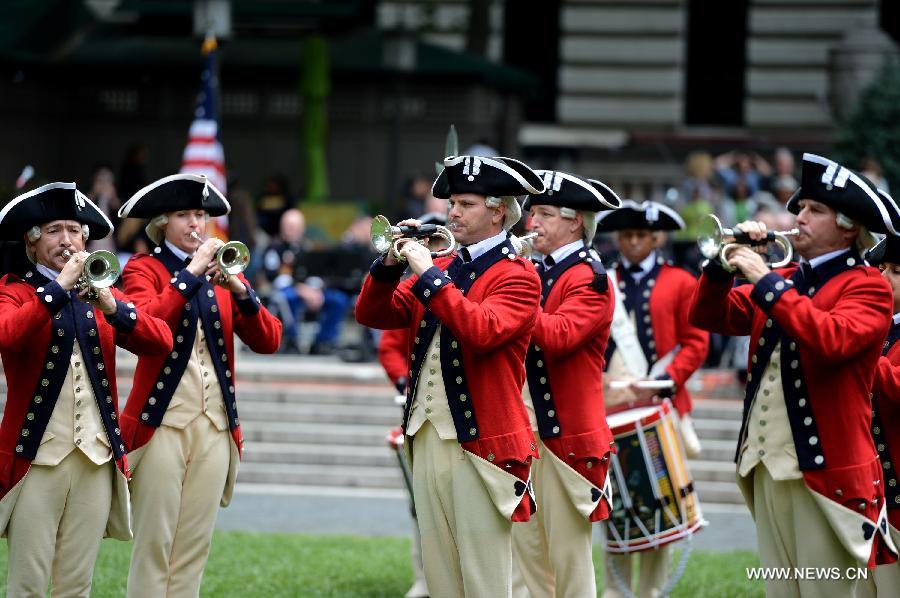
point(806, 461)
point(563, 392)
point(651, 343)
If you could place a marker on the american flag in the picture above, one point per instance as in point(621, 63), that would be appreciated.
point(203, 153)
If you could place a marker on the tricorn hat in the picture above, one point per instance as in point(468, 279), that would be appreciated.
point(54, 201)
point(649, 215)
point(570, 191)
point(847, 192)
point(173, 193)
point(886, 250)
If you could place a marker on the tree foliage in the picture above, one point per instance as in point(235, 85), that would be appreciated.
point(873, 129)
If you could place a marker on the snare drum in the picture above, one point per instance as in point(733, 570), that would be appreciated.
point(654, 502)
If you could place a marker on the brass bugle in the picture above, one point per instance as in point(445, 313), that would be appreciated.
point(386, 237)
point(233, 257)
point(716, 241)
point(100, 270)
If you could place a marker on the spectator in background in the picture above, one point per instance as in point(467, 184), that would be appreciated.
point(784, 162)
point(294, 293)
point(133, 171)
point(698, 194)
point(741, 165)
point(783, 186)
point(738, 206)
point(274, 201)
point(415, 193)
point(103, 194)
point(130, 235)
point(871, 169)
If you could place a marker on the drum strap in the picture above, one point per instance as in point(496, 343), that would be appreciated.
point(624, 334)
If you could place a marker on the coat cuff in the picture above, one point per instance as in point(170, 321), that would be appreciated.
point(429, 283)
point(382, 273)
point(249, 305)
point(53, 296)
point(125, 317)
point(716, 272)
point(769, 289)
point(187, 284)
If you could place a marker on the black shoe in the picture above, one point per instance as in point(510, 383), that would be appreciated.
point(322, 348)
point(289, 347)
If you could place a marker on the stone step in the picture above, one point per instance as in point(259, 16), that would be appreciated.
point(717, 409)
point(289, 432)
point(320, 454)
point(264, 411)
point(718, 450)
point(717, 429)
point(718, 492)
point(712, 471)
point(320, 475)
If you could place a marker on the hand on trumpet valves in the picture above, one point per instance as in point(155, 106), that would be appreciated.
point(755, 229)
point(73, 269)
point(417, 256)
point(751, 264)
point(389, 258)
point(205, 257)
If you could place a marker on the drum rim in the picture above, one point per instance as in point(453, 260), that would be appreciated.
point(663, 409)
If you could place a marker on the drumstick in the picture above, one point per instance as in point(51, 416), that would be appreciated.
point(617, 384)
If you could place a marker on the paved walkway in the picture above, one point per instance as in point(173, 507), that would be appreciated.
point(259, 508)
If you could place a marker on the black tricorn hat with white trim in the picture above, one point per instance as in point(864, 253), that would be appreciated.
point(847, 192)
point(570, 191)
point(54, 201)
point(645, 215)
point(886, 250)
point(491, 177)
point(173, 193)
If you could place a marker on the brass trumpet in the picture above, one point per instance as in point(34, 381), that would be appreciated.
point(716, 241)
point(100, 270)
point(233, 257)
point(386, 237)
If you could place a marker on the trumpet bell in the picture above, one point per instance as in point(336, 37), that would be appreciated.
point(381, 233)
point(233, 258)
point(716, 242)
point(386, 237)
point(522, 245)
point(101, 269)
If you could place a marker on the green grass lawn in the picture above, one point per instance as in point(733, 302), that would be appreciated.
point(272, 565)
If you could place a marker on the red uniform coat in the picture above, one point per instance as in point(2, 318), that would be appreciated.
point(26, 323)
point(493, 322)
point(572, 330)
point(835, 331)
point(671, 290)
point(886, 428)
point(152, 287)
point(393, 353)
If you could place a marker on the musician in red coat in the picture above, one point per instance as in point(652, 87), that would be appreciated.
point(393, 353)
point(806, 461)
point(469, 318)
point(564, 393)
point(63, 468)
point(886, 406)
point(651, 339)
point(181, 422)
point(656, 296)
